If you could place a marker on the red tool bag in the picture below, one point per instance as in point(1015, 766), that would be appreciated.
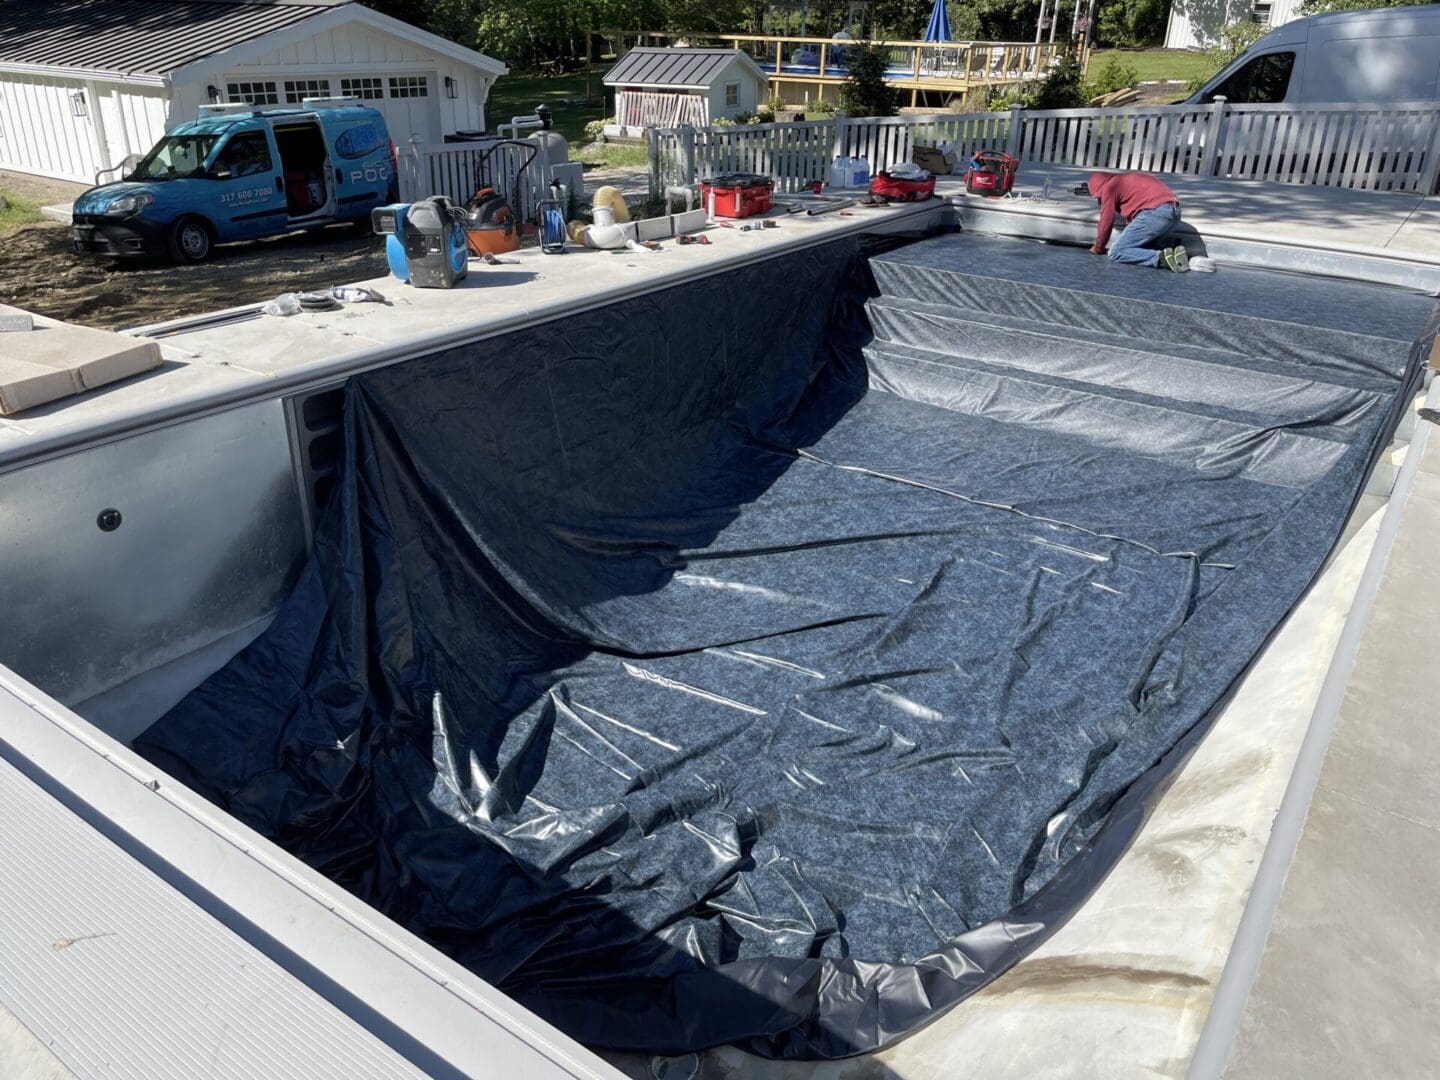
point(737, 195)
point(991, 173)
point(896, 189)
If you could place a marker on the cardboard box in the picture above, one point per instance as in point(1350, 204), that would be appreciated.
point(57, 360)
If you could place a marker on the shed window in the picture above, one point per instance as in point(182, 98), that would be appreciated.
point(369, 89)
point(297, 90)
point(403, 86)
point(253, 93)
point(732, 95)
point(1260, 13)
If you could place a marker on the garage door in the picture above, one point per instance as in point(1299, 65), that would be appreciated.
point(408, 108)
point(407, 99)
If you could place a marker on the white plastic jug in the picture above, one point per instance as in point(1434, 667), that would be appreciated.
point(850, 172)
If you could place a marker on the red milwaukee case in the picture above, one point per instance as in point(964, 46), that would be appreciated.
point(738, 195)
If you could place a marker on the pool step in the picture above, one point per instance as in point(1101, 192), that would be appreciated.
point(1187, 375)
point(1206, 438)
point(1325, 325)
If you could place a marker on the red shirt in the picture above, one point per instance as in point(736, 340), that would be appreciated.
point(1126, 194)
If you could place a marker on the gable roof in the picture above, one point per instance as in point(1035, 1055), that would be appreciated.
point(652, 66)
point(146, 40)
point(137, 37)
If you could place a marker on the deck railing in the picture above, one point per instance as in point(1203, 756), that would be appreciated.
point(913, 63)
point(1382, 147)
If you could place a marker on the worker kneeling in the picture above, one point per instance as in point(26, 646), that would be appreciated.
point(1152, 212)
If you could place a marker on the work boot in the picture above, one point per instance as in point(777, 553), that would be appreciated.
point(1177, 259)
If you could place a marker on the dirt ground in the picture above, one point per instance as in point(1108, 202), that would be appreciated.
point(40, 272)
point(38, 189)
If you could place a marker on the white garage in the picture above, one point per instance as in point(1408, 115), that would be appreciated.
point(86, 83)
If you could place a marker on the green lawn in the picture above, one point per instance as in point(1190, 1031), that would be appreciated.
point(517, 95)
point(611, 155)
point(17, 212)
point(1156, 64)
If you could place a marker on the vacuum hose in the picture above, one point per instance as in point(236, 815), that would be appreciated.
point(611, 199)
point(606, 232)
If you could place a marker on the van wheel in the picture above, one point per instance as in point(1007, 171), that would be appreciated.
point(189, 240)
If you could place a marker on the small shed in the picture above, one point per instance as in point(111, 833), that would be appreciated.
point(86, 83)
point(667, 87)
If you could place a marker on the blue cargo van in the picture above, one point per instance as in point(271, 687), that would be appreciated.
point(240, 173)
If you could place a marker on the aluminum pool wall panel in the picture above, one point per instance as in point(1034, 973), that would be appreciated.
point(209, 539)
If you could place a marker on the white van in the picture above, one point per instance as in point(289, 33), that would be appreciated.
point(1382, 54)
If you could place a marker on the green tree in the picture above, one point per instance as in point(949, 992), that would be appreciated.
point(1063, 88)
point(866, 91)
point(1131, 24)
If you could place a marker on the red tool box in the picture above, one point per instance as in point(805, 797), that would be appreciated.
point(901, 189)
point(737, 195)
point(991, 173)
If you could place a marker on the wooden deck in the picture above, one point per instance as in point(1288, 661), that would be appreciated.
point(812, 68)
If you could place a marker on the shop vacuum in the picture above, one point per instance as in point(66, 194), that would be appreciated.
point(424, 241)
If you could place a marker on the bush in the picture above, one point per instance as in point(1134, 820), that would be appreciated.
point(1003, 100)
point(1063, 88)
point(1132, 24)
point(1115, 75)
point(824, 108)
point(866, 91)
point(595, 129)
point(766, 115)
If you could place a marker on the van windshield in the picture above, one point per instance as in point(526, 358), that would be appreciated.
point(175, 156)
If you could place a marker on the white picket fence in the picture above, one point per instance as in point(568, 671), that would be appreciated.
point(451, 170)
point(1382, 147)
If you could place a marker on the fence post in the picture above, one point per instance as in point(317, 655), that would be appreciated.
point(839, 136)
point(687, 146)
point(1208, 162)
point(652, 151)
point(1014, 139)
point(1430, 176)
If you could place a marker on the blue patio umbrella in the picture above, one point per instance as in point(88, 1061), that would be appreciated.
point(939, 28)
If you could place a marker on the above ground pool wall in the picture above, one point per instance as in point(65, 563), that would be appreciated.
point(126, 555)
point(707, 668)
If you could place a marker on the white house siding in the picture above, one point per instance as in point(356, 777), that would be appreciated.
point(1196, 24)
point(132, 119)
point(357, 52)
point(39, 131)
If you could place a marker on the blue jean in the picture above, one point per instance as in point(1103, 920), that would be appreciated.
point(1139, 242)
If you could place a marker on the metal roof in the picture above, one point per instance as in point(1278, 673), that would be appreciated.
point(137, 37)
point(650, 66)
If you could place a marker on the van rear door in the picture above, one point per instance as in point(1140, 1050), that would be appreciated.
point(360, 151)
